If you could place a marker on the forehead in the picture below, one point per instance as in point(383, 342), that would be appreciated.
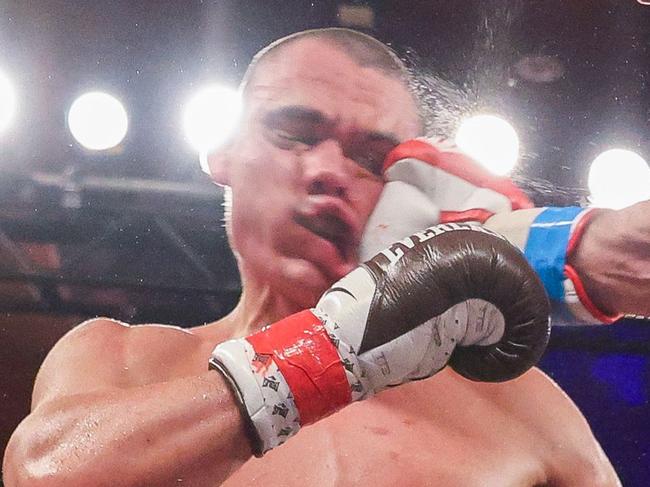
point(318, 76)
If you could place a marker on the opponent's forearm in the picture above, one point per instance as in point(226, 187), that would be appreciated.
point(188, 430)
point(552, 239)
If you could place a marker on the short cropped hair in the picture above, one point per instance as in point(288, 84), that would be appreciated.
point(363, 49)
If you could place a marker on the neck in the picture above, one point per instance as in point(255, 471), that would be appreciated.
point(258, 306)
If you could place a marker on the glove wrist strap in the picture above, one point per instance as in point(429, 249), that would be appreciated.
point(287, 375)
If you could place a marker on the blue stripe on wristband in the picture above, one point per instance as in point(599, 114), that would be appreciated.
point(545, 250)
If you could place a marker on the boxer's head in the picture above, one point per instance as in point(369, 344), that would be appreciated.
point(322, 109)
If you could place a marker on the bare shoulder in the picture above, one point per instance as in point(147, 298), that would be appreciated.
point(103, 353)
point(576, 457)
point(571, 452)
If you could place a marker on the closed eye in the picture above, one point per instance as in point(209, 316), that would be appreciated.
point(295, 127)
point(307, 139)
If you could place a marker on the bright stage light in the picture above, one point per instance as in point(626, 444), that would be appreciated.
point(619, 178)
point(210, 117)
point(491, 141)
point(98, 121)
point(7, 102)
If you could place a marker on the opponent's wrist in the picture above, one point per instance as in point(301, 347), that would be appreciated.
point(577, 271)
point(288, 375)
point(553, 237)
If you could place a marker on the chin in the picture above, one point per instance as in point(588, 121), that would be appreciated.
point(307, 298)
point(304, 294)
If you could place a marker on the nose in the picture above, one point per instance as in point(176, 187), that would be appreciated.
point(326, 170)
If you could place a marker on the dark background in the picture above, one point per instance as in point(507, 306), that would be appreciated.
point(136, 233)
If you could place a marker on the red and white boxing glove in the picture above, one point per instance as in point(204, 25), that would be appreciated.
point(430, 182)
point(454, 293)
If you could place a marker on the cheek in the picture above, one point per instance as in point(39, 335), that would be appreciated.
point(252, 221)
point(265, 165)
point(264, 192)
point(263, 176)
point(368, 196)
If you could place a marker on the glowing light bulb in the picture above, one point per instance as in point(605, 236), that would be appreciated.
point(618, 178)
point(491, 141)
point(7, 102)
point(98, 121)
point(210, 117)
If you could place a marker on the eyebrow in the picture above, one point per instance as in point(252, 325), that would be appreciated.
point(316, 117)
point(296, 112)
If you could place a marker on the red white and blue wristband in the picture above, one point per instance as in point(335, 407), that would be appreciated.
point(553, 236)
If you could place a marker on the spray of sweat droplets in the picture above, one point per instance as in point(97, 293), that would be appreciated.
point(482, 84)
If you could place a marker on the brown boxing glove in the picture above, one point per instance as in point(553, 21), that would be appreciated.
point(455, 294)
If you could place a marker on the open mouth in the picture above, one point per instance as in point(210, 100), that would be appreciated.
point(333, 229)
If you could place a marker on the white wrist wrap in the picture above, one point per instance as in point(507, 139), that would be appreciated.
point(263, 389)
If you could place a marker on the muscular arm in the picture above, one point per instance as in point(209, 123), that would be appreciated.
point(90, 421)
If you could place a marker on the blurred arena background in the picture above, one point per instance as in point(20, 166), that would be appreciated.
point(134, 230)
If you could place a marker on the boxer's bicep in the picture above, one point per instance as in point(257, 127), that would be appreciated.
point(88, 358)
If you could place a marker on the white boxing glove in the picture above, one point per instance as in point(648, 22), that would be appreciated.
point(430, 182)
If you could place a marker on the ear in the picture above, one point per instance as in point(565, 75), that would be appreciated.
point(218, 165)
